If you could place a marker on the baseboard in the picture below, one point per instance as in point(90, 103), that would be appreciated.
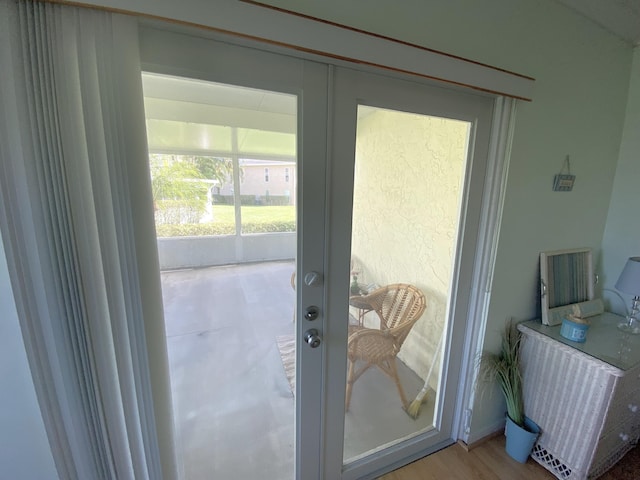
point(486, 434)
point(470, 446)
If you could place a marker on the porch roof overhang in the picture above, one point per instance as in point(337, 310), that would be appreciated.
point(197, 117)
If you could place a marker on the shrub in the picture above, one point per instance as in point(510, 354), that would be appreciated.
point(181, 211)
point(253, 199)
point(208, 229)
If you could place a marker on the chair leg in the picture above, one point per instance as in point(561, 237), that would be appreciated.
point(350, 380)
point(394, 374)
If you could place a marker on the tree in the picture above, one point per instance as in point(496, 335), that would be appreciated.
point(215, 168)
point(179, 194)
point(177, 180)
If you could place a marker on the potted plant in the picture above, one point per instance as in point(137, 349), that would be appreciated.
point(504, 368)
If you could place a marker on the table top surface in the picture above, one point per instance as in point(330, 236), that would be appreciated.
point(604, 340)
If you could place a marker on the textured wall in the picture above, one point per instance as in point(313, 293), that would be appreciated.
point(408, 176)
point(623, 229)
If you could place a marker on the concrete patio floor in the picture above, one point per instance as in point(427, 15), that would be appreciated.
point(233, 406)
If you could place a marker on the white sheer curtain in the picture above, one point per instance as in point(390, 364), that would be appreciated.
point(74, 219)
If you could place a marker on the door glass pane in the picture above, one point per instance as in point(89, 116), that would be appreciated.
point(227, 249)
point(408, 182)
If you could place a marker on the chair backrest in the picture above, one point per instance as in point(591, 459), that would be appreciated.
point(399, 307)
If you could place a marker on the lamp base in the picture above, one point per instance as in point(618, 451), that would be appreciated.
point(631, 326)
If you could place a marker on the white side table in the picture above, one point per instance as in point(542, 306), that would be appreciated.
point(585, 396)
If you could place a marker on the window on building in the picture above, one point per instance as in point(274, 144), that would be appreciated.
point(286, 175)
point(266, 174)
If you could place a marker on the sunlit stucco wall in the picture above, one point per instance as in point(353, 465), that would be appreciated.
point(408, 178)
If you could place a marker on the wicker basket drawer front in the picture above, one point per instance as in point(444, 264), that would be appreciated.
point(630, 382)
point(625, 406)
point(623, 411)
point(561, 400)
point(613, 445)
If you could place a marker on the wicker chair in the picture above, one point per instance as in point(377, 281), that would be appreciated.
point(399, 307)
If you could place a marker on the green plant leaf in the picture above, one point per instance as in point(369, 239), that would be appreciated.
point(504, 369)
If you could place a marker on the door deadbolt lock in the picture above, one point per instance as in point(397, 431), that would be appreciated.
point(312, 337)
point(311, 313)
point(313, 279)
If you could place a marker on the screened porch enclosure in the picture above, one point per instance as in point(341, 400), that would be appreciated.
point(223, 168)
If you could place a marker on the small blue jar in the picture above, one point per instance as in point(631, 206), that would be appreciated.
point(574, 331)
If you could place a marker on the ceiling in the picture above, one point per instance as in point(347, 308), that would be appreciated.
point(620, 17)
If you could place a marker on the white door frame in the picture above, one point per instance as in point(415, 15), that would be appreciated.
point(503, 123)
point(478, 235)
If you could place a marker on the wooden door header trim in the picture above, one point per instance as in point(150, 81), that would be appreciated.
point(384, 37)
point(251, 20)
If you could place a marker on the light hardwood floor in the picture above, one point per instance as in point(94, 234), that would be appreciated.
point(487, 461)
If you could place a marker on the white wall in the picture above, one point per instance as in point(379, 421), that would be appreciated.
point(622, 234)
point(405, 162)
point(24, 448)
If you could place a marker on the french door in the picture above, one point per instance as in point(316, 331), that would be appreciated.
point(388, 179)
point(247, 390)
point(407, 174)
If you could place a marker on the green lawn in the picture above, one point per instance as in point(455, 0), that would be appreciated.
point(255, 219)
point(255, 214)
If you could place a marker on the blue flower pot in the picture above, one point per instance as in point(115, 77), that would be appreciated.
point(520, 440)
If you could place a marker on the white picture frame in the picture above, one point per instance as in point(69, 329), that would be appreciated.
point(566, 279)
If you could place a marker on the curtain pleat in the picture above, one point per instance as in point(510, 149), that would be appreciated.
point(86, 326)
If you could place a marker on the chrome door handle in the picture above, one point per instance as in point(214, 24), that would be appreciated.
point(312, 337)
